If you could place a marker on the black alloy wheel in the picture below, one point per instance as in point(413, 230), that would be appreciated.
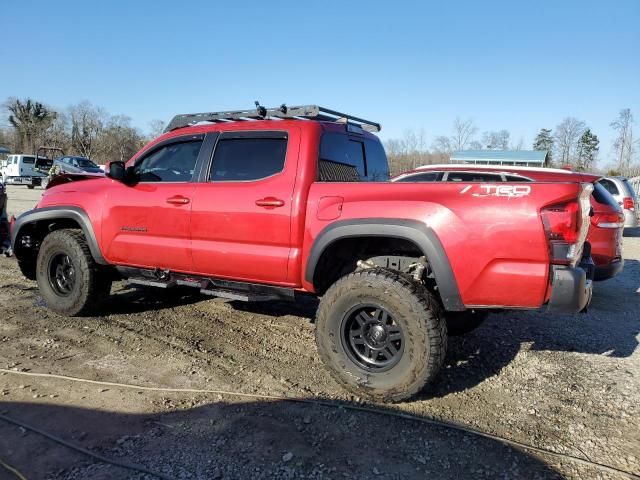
point(372, 338)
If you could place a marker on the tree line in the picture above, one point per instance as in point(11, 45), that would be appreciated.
point(572, 143)
point(82, 129)
point(88, 130)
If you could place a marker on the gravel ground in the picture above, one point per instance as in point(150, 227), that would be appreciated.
point(567, 383)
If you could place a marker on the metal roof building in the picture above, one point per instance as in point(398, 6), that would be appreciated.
point(522, 158)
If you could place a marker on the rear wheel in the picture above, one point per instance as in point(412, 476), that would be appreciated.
point(31, 187)
point(381, 335)
point(69, 280)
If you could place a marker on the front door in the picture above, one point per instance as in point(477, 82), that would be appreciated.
point(147, 223)
point(241, 214)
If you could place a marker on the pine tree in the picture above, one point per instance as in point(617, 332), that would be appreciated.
point(588, 147)
point(544, 142)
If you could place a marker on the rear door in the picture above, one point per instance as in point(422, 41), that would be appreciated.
point(146, 224)
point(241, 215)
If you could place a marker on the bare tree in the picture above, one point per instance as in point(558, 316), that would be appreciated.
point(566, 138)
point(87, 123)
point(623, 145)
point(30, 120)
point(496, 140)
point(463, 131)
point(59, 133)
point(119, 140)
point(156, 128)
point(518, 146)
point(408, 152)
point(442, 144)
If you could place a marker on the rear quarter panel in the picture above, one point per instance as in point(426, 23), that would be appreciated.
point(496, 244)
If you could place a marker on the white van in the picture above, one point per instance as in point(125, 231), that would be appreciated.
point(20, 170)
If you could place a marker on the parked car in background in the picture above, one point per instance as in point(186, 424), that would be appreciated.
point(74, 164)
point(21, 170)
point(605, 231)
point(625, 196)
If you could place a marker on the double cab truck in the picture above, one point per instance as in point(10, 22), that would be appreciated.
point(275, 203)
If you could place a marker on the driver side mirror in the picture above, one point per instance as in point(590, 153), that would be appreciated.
point(116, 171)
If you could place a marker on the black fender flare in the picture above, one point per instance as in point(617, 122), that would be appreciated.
point(45, 214)
point(417, 232)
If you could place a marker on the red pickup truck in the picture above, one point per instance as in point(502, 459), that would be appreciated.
point(272, 203)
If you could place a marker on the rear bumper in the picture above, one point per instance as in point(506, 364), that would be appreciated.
point(571, 289)
point(19, 181)
point(604, 272)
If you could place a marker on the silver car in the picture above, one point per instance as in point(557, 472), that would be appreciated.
point(626, 197)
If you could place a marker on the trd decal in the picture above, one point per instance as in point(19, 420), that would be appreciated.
point(509, 191)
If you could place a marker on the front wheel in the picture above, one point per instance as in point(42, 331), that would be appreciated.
point(381, 335)
point(69, 280)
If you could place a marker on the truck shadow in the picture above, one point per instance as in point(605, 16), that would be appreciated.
point(260, 439)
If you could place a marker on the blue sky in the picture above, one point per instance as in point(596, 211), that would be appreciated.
point(506, 64)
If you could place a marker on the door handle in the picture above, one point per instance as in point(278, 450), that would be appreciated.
point(178, 200)
point(270, 202)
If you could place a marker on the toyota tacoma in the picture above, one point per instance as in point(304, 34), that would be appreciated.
point(267, 204)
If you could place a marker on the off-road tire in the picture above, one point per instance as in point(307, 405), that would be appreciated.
point(28, 268)
point(460, 323)
point(412, 307)
point(91, 285)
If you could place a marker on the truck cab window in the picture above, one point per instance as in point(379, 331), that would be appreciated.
point(170, 163)
point(245, 159)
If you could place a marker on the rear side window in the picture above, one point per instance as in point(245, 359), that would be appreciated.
point(170, 163)
point(610, 186)
point(28, 160)
point(349, 159)
point(423, 177)
point(245, 159)
point(376, 159)
point(473, 177)
point(602, 196)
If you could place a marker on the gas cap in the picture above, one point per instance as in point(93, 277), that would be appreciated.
point(329, 208)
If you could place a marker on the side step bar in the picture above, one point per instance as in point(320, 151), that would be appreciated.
point(240, 291)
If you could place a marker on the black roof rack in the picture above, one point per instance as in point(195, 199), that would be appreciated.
point(308, 112)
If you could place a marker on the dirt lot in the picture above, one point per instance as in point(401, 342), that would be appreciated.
point(566, 383)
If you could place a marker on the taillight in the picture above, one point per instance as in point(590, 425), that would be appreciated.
point(608, 220)
point(627, 203)
point(561, 222)
point(566, 227)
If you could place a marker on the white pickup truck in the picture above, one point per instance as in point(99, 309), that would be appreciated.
point(21, 170)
